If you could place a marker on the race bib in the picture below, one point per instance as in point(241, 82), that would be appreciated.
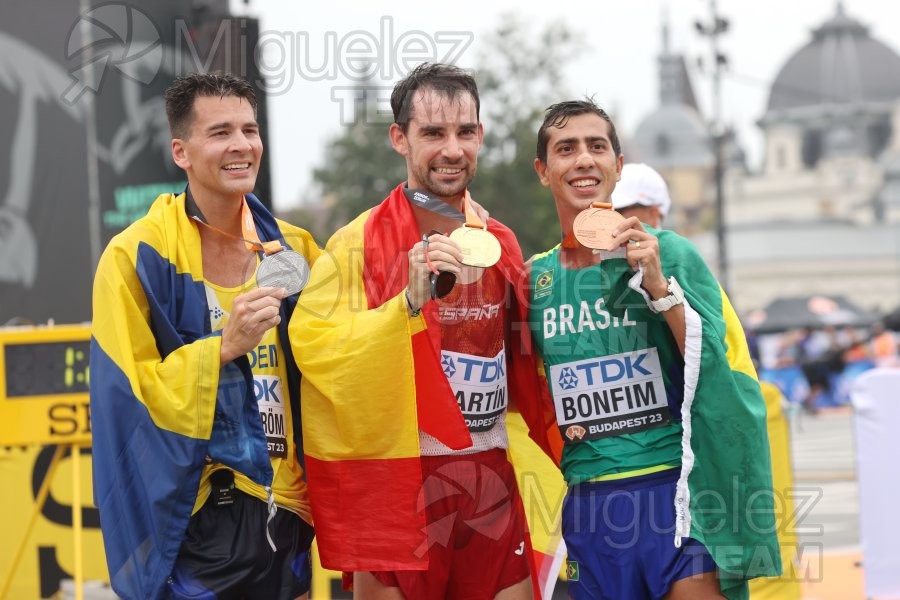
point(270, 397)
point(609, 396)
point(479, 384)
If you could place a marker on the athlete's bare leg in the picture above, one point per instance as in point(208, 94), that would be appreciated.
point(702, 586)
point(517, 591)
point(366, 587)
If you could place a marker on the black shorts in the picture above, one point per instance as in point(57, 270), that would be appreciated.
point(226, 555)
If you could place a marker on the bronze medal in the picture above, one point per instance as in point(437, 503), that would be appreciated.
point(286, 269)
point(479, 246)
point(593, 227)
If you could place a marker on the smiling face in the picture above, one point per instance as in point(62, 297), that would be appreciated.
point(440, 144)
point(581, 165)
point(222, 151)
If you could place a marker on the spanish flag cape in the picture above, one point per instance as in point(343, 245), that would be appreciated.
point(363, 361)
point(156, 408)
point(724, 494)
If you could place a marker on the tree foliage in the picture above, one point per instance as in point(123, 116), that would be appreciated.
point(360, 166)
point(519, 74)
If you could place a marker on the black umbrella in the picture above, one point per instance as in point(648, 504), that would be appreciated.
point(814, 311)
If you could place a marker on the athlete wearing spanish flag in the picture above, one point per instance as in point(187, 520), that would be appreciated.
point(406, 385)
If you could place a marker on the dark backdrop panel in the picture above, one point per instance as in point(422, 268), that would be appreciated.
point(48, 242)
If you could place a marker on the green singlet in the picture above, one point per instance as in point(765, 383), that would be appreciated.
point(613, 367)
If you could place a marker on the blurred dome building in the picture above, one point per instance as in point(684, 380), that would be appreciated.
point(823, 213)
point(675, 140)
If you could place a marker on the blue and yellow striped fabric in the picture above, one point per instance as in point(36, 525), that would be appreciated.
point(155, 389)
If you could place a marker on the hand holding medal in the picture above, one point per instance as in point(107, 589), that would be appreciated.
point(479, 247)
point(285, 269)
point(278, 268)
point(594, 226)
point(281, 273)
point(434, 264)
point(472, 245)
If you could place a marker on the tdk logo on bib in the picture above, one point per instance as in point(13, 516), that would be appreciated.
point(479, 385)
point(474, 369)
point(602, 397)
point(568, 380)
point(615, 369)
point(449, 366)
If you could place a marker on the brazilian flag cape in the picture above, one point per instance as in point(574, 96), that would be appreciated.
point(786, 587)
point(158, 406)
point(372, 379)
point(724, 494)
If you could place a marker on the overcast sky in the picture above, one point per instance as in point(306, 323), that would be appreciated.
point(313, 87)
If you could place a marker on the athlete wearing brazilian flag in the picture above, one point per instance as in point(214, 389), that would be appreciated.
point(666, 451)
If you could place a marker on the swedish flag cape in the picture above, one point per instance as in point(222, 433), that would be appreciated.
point(156, 405)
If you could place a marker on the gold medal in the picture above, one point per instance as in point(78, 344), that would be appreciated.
point(593, 227)
point(479, 246)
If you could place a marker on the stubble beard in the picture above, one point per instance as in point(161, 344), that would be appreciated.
point(447, 190)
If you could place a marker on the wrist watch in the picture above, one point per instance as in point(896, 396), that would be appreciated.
point(674, 298)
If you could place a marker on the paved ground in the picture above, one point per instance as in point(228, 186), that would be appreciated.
point(824, 455)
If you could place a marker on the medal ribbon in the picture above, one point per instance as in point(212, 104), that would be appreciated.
point(569, 240)
point(442, 282)
point(248, 227)
point(434, 204)
point(472, 219)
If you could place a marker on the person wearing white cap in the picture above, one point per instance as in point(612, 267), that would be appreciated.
point(651, 407)
point(642, 192)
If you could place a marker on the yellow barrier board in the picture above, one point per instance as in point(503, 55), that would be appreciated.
point(44, 377)
point(48, 556)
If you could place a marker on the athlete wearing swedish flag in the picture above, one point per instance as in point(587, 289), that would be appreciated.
point(195, 394)
point(653, 392)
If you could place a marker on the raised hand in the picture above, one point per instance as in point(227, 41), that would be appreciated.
point(252, 315)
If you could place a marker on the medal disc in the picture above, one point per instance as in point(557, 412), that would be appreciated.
point(593, 227)
point(479, 247)
point(286, 269)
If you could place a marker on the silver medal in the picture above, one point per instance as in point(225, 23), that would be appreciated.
point(286, 269)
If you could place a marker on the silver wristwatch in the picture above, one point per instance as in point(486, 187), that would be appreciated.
point(674, 298)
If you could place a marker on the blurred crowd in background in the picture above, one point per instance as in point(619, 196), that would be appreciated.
point(815, 368)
